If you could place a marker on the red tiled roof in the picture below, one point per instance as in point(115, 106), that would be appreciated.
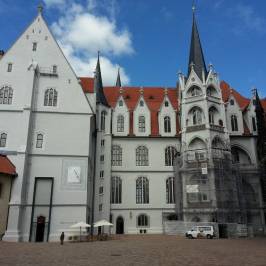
point(6, 167)
point(87, 84)
point(227, 91)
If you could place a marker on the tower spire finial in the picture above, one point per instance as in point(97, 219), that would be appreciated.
point(193, 7)
point(40, 8)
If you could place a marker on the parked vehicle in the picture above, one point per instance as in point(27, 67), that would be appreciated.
point(201, 232)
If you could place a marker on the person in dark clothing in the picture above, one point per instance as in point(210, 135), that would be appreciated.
point(62, 237)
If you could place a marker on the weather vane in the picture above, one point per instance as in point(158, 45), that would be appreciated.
point(193, 6)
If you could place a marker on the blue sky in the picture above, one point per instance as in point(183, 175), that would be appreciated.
point(150, 39)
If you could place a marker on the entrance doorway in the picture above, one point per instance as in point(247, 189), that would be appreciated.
point(223, 230)
point(40, 229)
point(119, 225)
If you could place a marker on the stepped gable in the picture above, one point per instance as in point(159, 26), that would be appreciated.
point(6, 166)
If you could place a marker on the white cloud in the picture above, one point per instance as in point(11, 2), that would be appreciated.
point(50, 3)
point(81, 33)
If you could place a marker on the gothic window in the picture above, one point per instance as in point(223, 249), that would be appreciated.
point(3, 138)
point(103, 118)
point(198, 189)
point(170, 190)
point(195, 91)
point(143, 220)
point(142, 156)
point(211, 116)
point(116, 190)
point(170, 153)
point(166, 104)
point(39, 141)
point(254, 124)
point(167, 124)
point(6, 95)
point(232, 102)
point(120, 103)
point(50, 97)
point(141, 103)
point(116, 155)
point(120, 123)
point(142, 190)
point(197, 116)
point(234, 124)
point(142, 124)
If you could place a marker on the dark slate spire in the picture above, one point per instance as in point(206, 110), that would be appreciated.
point(196, 57)
point(98, 85)
point(118, 80)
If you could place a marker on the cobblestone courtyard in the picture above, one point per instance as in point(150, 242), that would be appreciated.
point(138, 250)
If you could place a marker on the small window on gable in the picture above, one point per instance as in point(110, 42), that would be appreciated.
point(34, 46)
point(50, 97)
point(39, 141)
point(54, 69)
point(9, 67)
point(3, 138)
point(232, 102)
point(120, 103)
point(166, 104)
point(141, 103)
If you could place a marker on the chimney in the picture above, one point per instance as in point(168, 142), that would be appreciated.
point(1, 54)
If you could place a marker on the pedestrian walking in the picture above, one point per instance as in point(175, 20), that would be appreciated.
point(62, 237)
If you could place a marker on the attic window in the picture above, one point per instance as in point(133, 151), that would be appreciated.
point(120, 103)
point(141, 103)
point(232, 102)
point(34, 46)
point(151, 97)
point(166, 104)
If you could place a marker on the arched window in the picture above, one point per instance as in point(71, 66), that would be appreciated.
point(232, 102)
point(142, 190)
point(103, 118)
point(211, 115)
point(120, 123)
point(142, 124)
point(120, 103)
point(141, 103)
point(116, 190)
point(142, 156)
point(116, 155)
point(50, 97)
point(170, 190)
point(194, 91)
point(170, 153)
point(234, 123)
point(143, 220)
point(39, 141)
point(6, 95)
point(197, 116)
point(167, 124)
point(3, 138)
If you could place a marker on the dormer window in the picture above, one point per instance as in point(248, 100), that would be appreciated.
point(232, 102)
point(166, 104)
point(120, 103)
point(141, 103)
point(34, 46)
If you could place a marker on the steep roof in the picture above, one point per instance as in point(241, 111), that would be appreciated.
point(196, 56)
point(87, 84)
point(6, 166)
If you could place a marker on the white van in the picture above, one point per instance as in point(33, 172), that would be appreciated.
point(201, 232)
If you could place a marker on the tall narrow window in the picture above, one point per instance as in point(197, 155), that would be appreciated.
point(103, 120)
point(234, 123)
point(9, 67)
point(142, 190)
point(120, 123)
point(39, 141)
point(211, 116)
point(3, 138)
point(116, 190)
point(116, 155)
point(54, 69)
point(34, 46)
point(170, 190)
point(167, 124)
point(143, 220)
point(142, 124)
point(170, 153)
point(142, 156)
point(6, 95)
point(254, 124)
point(50, 97)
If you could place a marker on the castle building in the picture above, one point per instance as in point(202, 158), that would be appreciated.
point(137, 156)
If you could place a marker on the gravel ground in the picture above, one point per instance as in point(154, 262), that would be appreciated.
point(138, 250)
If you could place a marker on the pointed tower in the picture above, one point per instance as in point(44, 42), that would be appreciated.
point(98, 85)
point(196, 56)
point(118, 79)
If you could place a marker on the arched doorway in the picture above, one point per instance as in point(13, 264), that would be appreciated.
point(120, 225)
point(40, 229)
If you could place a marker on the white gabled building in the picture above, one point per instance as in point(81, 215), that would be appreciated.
point(137, 156)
